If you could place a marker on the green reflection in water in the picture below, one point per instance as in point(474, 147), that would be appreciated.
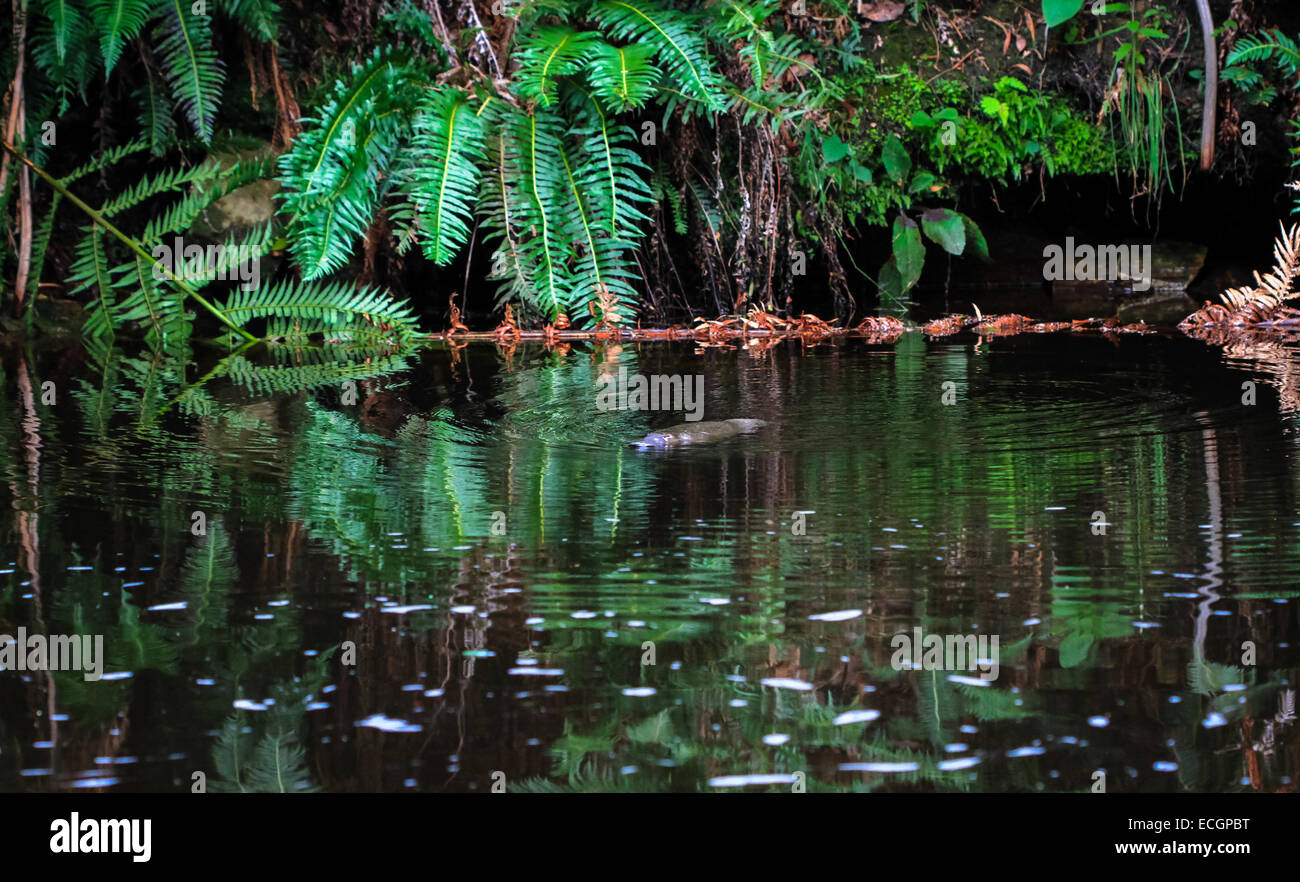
point(420, 569)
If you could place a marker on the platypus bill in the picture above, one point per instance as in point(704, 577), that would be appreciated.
point(692, 434)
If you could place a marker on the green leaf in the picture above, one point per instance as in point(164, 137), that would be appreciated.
point(190, 64)
point(890, 282)
point(946, 229)
point(975, 238)
point(448, 148)
point(921, 182)
point(1056, 12)
point(119, 21)
point(995, 108)
point(548, 52)
point(623, 77)
point(897, 162)
point(909, 251)
point(833, 149)
point(678, 40)
point(1075, 648)
point(860, 171)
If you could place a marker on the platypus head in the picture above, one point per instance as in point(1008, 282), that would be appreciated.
point(654, 441)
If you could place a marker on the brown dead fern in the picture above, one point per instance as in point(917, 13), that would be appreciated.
point(1265, 302)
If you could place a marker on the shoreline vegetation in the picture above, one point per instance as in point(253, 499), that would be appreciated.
point(596, 160)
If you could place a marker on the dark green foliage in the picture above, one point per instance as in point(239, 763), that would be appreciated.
point(73, 39)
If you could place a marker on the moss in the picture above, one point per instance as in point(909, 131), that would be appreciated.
point(955, 125)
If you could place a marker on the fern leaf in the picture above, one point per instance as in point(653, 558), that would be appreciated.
point(446, 149)
point(90, 270)
point(1272, 46)
point(332, 174)
point(623, 77)
point(601, 268)
point(532, 147)
point(67, 23)
point(676, 39)
point(548, 52)
point(155, 115)
point(500, 204)
point(614, 170)
point(63, 51)
point(190, 64)
point(118, 21)
point(320, 308)
point(109, 157)
point(261, 18)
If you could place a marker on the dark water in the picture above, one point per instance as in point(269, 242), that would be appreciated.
point(459, 578)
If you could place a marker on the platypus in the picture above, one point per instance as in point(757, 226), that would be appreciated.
point(698, 433)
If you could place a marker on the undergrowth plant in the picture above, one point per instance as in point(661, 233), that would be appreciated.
point(1245, 67)
point(131, 285)
point(548, 163)
point(77, 42)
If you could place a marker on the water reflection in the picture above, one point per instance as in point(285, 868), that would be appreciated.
point(447, 570)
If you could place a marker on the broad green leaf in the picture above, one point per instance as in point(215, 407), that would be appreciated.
point(921, 182)
point(833, 149)
point(975, 238)
point(909, 251)
point(946, 229)
point(897, 162)
point(1075, 648)
point(1057, 12)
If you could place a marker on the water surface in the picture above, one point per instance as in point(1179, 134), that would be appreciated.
point(460, 578)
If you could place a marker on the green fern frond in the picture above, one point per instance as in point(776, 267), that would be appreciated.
point(62, 50)
point(532, 146)
point(68, 25)
point(500, 205)
point(90, 267)
point(1273, 46)
point(613, 169)
point(261, 18)
point(155, 115)
point(546, 53)
point(446, 151)
point(744, 21)
point(661, 191)
point(118, 21)
point(623, 77)
point(677, 41)
point(109, 157)
point(171, 180)
point(190, 64)
point(602, 264)
point(159, 306)
point(205, 189)
point(321, 308)
point(333, 172)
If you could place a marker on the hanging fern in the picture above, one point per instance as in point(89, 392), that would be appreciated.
point(333, 173)
point(624, 77)
point(446, 152)
point(548, 53)
point(190, 64)
point(676, 39)
point(118, 22)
